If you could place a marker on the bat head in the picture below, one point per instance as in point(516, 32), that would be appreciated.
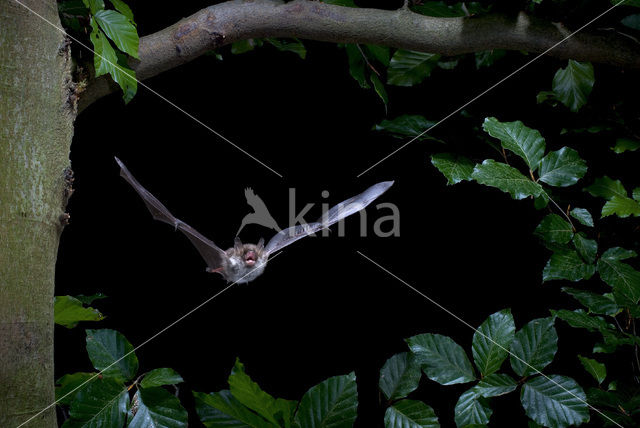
point(249, 254)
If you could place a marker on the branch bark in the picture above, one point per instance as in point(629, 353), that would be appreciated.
point(236, 20)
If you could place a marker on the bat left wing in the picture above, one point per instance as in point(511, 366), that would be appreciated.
point(334, 215)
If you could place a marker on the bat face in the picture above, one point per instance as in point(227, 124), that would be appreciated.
point(246, 262)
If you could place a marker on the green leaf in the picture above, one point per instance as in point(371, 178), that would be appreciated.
point(632, 21)
point(356, 65)
point(534, 346)
point(518, 138)
point(68, 383)
point(119, 29)
point(587, 248)
point(487, 58)
point(583, 216)
point(594, 368)
point(541, 201)
point(442, 359)
point(624, 279)
point(555, 402)
point(220, 409)
point(494, 385)
point(567, 264)
point(554, 228)
point(455, 168)
point(618, 254)
point(572, 85)
point(289, 45)
point(378, 86)
point(410, 414)
point(491, 341)
point(381, 53)
point(607, 188)
point(634, 3)
point(399, 376)
point(636, 194)
point(158, 408)
point(580, 319)
point(94, 5)
point(159, 377)
point(406, 126)
point(505, 178)
point(111, 353)
point(472, 410)
point(544, 96)
point(244, 46)
point(626, 144)
point(68, 312)
point(124, 9)
point(621, 206)
point(408, 68)
point(449, 64)
point(596, 303)
point(332, 403)
point(562, 168)
point(87, 300)
point(251, 395)
point(73, 7)
point(102, 403)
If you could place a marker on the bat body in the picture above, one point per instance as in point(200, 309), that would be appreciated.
point(243, 263)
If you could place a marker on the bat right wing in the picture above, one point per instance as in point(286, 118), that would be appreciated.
point(213, 256)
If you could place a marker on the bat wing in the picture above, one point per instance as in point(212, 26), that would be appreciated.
point(209, 251)
point(334, 215)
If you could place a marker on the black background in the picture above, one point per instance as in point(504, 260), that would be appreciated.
point(320, 309)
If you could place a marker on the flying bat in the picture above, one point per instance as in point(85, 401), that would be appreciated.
point(243, 263)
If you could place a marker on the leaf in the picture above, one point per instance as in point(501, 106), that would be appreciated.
point(158, 408)
point(567, 264)
point(408, 68)
point(103, 403)
point(399, 376)
point(487, 58)
point(472, 410)
point(518, 138)
point(626, 144)
point(105, 347)
point(494, 385)
point(636, 194)
point(410, 414)
point(94, 5)
point(159, 377)
point(583, 216)
point(580, 319)
point(607, 188)
point(587, 248)
point(251, 395)
point(124, 9)
point(289, 45)
point(378, 86)
point(562, 168)
point(406, 126)
point(556, 402)
point(491, 341)
point(455, 168)
point(554, 228)
point(119, 29)
point(87, 300)
point(442, 359)
point(621, 206)
point(68, 383)
point(505, 178)
point(632, 21)
point(594, 368)
point(220, 409)
point(596, 303)
point(617, 254)
point(332, 403)
point(534, 346)
point(381, 53)
point(624, 279)
point(68, 312)
point(356, 64)
point(73, 7)
point(572, 85)
point(541, 202)
point(244, 46)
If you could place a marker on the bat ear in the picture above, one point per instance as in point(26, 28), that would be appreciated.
point(237, 244)
point(260, 244)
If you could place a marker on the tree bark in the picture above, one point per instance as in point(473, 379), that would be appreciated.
point(36, 127)
point(236, 20)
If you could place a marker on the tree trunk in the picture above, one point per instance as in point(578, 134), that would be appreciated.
point(36, 125)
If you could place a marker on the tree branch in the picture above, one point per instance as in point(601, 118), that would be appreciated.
point(236, 20)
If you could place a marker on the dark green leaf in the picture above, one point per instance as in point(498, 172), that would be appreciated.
point(378, 86)
point(442, 359)
point(594, 368)
point(572, 85)
point(357, 65)
point(289, 45)
point(607, 188)
point(634, 3)
point(449, 64)
point(547, 96)
point(505, 178)
point(220, 409)
point(454, 167)
point(567, 264)
point(626, 144)
point(472, 410)
point(73, 7)
point(621, 206)
point(518, 138)
point(124, 9)
point(102, 403)
point(580, 319)
point(332, 403)
point(406, 126)
point(159, 377)
point(410, 414)
point(111, 353)
point(244, 46)
point(562, 168)
point(158, 408)
point(67, 384)
point(596, 303)
point(618, 254)
point(494, 385)
point(381, 53)
point(624, 279)
point(399, 376)
point(636, 194)
point(491, 341)
point(94, 5)
point(251, 395)
point(587, 248)
point(541, 201)
point(555, 402)
point(632, 21)
point(408, 68)
point(583, 216)
point(554, 228)
point(487, 58)
point(534, 346)
point(119, 29)
point(68, 312)
point(87, 300)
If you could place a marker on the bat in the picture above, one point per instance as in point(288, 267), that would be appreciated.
point(243, 263)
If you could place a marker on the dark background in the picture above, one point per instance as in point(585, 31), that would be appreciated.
point(320, 309)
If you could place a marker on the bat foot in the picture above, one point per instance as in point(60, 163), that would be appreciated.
point(216, 270)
